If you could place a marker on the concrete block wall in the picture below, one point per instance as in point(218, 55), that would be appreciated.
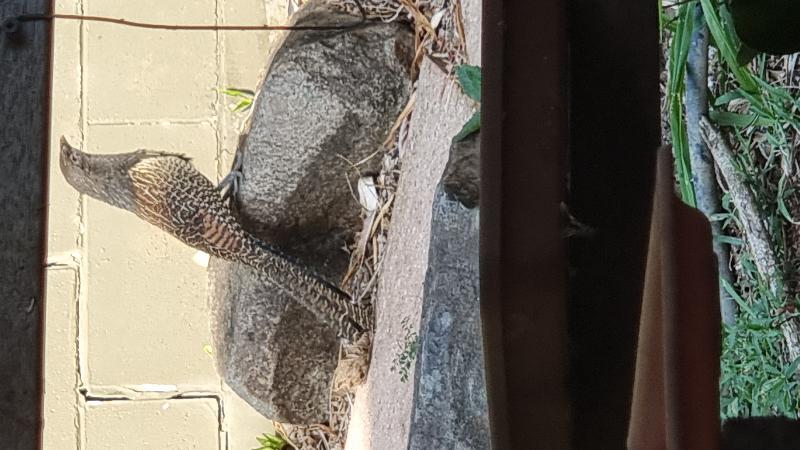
point(128, 361)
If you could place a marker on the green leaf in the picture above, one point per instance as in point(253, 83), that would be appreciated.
point(243, 105)
point(680, 148)
point(726, 98)
point(789, 370)
point(758, 324)
point(270, 442)
point(731, 119)
point(236, 92)
point(738, 298)
point(470, 79)
point(720, 26)
point(472, 125)
point(730, 240)
point(679, 52)
point(246, 95)
point(785, 212)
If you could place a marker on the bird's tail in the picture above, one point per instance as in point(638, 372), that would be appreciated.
point(329, 303)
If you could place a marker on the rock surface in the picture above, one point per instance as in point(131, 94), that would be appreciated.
point(327, 103)
point(450, 410)
point(383, 407)
point(271, 351)
point(381, 417)
point(461, 179)
point(382, 410)
point(325, 94)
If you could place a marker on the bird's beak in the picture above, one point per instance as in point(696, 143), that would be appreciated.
point(64, 144)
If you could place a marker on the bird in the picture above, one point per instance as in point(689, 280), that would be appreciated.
point(166, 190)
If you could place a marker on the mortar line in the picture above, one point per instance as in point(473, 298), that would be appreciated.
point(219, 16)
point(78, 406)
point(57, 263)
point(149, 396)
point(81, 294)
point(150, 122)
point(82, 58)
point(222, 422)
point(96, 390)
point(215, 396)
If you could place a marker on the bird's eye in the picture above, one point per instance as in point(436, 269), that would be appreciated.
point(74, 158)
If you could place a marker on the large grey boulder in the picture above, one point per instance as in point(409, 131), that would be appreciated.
point(450, 410)
point(328, 97)
point(327, 102)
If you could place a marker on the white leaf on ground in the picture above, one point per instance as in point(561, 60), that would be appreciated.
point(437, 18)
point(367, 194)
point(201, 259)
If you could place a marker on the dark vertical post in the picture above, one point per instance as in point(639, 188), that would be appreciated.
point(614, 134)
point(25, 55)
point(523, 265)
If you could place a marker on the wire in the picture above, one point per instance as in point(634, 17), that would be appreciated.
point(11, 25)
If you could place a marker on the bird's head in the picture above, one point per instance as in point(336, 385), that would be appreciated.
point(71, 159)
point(103, 177)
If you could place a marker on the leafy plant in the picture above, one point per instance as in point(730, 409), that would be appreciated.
point(406, 351)
point(469, 77)
point(754, 382)
point(762, 118)
point(272, 442)
point(245, 98)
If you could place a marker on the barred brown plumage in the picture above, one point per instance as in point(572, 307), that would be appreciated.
point(166, 190)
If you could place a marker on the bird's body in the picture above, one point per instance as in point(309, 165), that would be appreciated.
point(166, 190)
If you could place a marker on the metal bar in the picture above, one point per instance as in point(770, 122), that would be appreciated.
point(523, 264)
point(614, 135)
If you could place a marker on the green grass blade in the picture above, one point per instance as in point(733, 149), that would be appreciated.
point(679, 51)
point(721, 27)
